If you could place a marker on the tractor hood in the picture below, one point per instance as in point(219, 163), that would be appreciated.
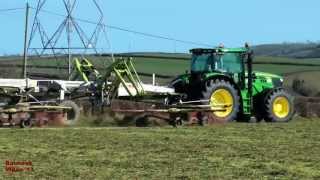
point(268, 78)
point(264, 74)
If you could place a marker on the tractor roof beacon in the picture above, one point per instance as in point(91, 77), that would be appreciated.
point(225, 77)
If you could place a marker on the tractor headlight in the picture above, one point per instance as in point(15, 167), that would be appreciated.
point(269, 80)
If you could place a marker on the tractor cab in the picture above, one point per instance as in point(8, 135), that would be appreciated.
point(218, 60)
point(229, 62)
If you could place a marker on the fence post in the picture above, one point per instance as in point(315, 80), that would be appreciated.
point(153, 79)
point(25, 53)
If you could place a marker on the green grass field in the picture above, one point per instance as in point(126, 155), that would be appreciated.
point(231, 151)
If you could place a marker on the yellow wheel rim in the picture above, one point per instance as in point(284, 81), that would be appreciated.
point(281, 107)
point(222, 97)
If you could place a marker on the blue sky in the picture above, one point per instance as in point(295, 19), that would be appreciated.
point(206, 21)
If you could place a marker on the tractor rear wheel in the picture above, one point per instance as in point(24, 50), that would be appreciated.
point(279, 106)
point(222, 94)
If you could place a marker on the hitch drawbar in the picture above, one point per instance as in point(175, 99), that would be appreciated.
point(195, 108)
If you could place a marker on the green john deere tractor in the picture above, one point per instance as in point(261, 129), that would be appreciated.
point(224, 77)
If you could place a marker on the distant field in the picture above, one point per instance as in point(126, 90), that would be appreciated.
point(232, 151)
point(309, 77)
point(310, 80)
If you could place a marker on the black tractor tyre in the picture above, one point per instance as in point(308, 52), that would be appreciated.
point(26, 123)
point(73, 115)
point(270, 114)
point(218, 84)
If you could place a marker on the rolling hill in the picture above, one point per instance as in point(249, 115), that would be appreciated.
point(292, 50)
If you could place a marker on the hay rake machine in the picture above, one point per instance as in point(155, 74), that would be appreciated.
point(121, 89)
point(19, 107)
point(29, 102)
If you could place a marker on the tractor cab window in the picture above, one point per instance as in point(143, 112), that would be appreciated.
point(229, 62)
point(224, 62)
point(202, 63)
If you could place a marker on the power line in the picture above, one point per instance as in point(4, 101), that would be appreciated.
point(131, 31)
point(11, 9)
point(158, 36)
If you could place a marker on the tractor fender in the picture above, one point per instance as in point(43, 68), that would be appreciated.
point(269, 91)
point(179, 83)
point(225, 78)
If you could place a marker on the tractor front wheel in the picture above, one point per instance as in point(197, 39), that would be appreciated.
point(279, 106)
point(222, 95)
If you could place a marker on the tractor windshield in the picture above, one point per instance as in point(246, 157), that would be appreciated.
point(226, 62)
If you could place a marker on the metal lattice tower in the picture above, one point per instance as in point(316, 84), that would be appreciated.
point(69, 27)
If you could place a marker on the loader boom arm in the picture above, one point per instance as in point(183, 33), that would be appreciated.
point(120, 72)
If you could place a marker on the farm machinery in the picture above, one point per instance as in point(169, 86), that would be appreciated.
point(19, 107)
point(224, 76)
point(220, 87)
